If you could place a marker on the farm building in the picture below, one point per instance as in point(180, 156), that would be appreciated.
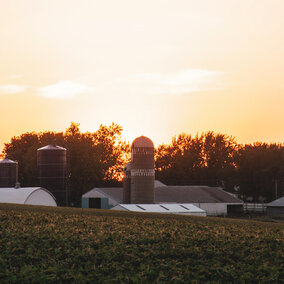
point(213, 200)
point(181, 209)
point(275, 208)
point(27, 195)
point(140, 187)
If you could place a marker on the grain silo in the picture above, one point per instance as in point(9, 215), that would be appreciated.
point(51, 164)
point(8, 173)
point(127, 183)
point(142, 171)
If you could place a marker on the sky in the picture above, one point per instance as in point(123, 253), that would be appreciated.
point(157, 68)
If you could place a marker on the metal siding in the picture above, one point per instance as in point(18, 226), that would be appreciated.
point(8, 173)
point(277, 212)
point(213, 209)
point(51, 163)
point(127, 184)
point(104, 203)
point(85, 202)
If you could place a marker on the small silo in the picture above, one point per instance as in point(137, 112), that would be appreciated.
point(8, 173)
point(51, 165)
point(142, 171)
point(127, 183)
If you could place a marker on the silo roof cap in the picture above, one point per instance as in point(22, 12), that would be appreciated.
point(51, 147)
point(143, 142)
point(7, 161)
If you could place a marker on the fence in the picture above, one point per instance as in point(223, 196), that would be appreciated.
point(255, 208)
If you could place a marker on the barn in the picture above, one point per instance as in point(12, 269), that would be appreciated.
point(213, 200)
point(27, 195)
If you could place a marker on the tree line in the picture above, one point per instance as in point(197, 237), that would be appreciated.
point(93, 159)
point(254, 171)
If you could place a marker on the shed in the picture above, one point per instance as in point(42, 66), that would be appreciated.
point(102, 198)
point(276, 208)
point(27, 195)
point(170, 208)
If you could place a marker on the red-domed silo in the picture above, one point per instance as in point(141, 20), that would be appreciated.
point(142, 171)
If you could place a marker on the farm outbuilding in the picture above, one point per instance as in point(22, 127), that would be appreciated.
point(276, 208)
point(171, 208)
point(213, 200)
point(27, 195)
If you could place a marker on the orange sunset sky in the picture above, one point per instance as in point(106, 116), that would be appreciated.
point(157, 68)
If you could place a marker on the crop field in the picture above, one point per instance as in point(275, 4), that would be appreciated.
point(41, 244)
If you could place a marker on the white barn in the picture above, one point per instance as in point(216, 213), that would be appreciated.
point(27, 195)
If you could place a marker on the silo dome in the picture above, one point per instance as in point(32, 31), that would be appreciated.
point(142, 142)
point(51, 148)
point(8, 173)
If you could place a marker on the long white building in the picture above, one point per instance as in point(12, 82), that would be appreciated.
point(27, 195)
point(214, 200)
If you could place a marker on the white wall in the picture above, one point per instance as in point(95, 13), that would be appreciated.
point(40, 197)
point(193, 214)
point(213, 209)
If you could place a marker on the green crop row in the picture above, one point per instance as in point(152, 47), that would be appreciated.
point(43, 245)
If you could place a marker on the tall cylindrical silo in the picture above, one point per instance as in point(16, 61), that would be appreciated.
point(8, 173)
point(127, 183)
point(142, 171)
point(51, 165)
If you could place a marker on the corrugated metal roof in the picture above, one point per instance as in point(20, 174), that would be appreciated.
point(193, 194)
point(18, 195)
point(177, 194)
point(162, 208)
point(276, 203)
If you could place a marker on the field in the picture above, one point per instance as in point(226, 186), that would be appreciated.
point(41, 244)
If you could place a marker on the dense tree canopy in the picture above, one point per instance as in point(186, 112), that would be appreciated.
point(93, 159)
point(261, 170)
point(204, 159)
point(255, 170)
point(96, 159)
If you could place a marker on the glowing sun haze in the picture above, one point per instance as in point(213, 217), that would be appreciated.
point(157, 68)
